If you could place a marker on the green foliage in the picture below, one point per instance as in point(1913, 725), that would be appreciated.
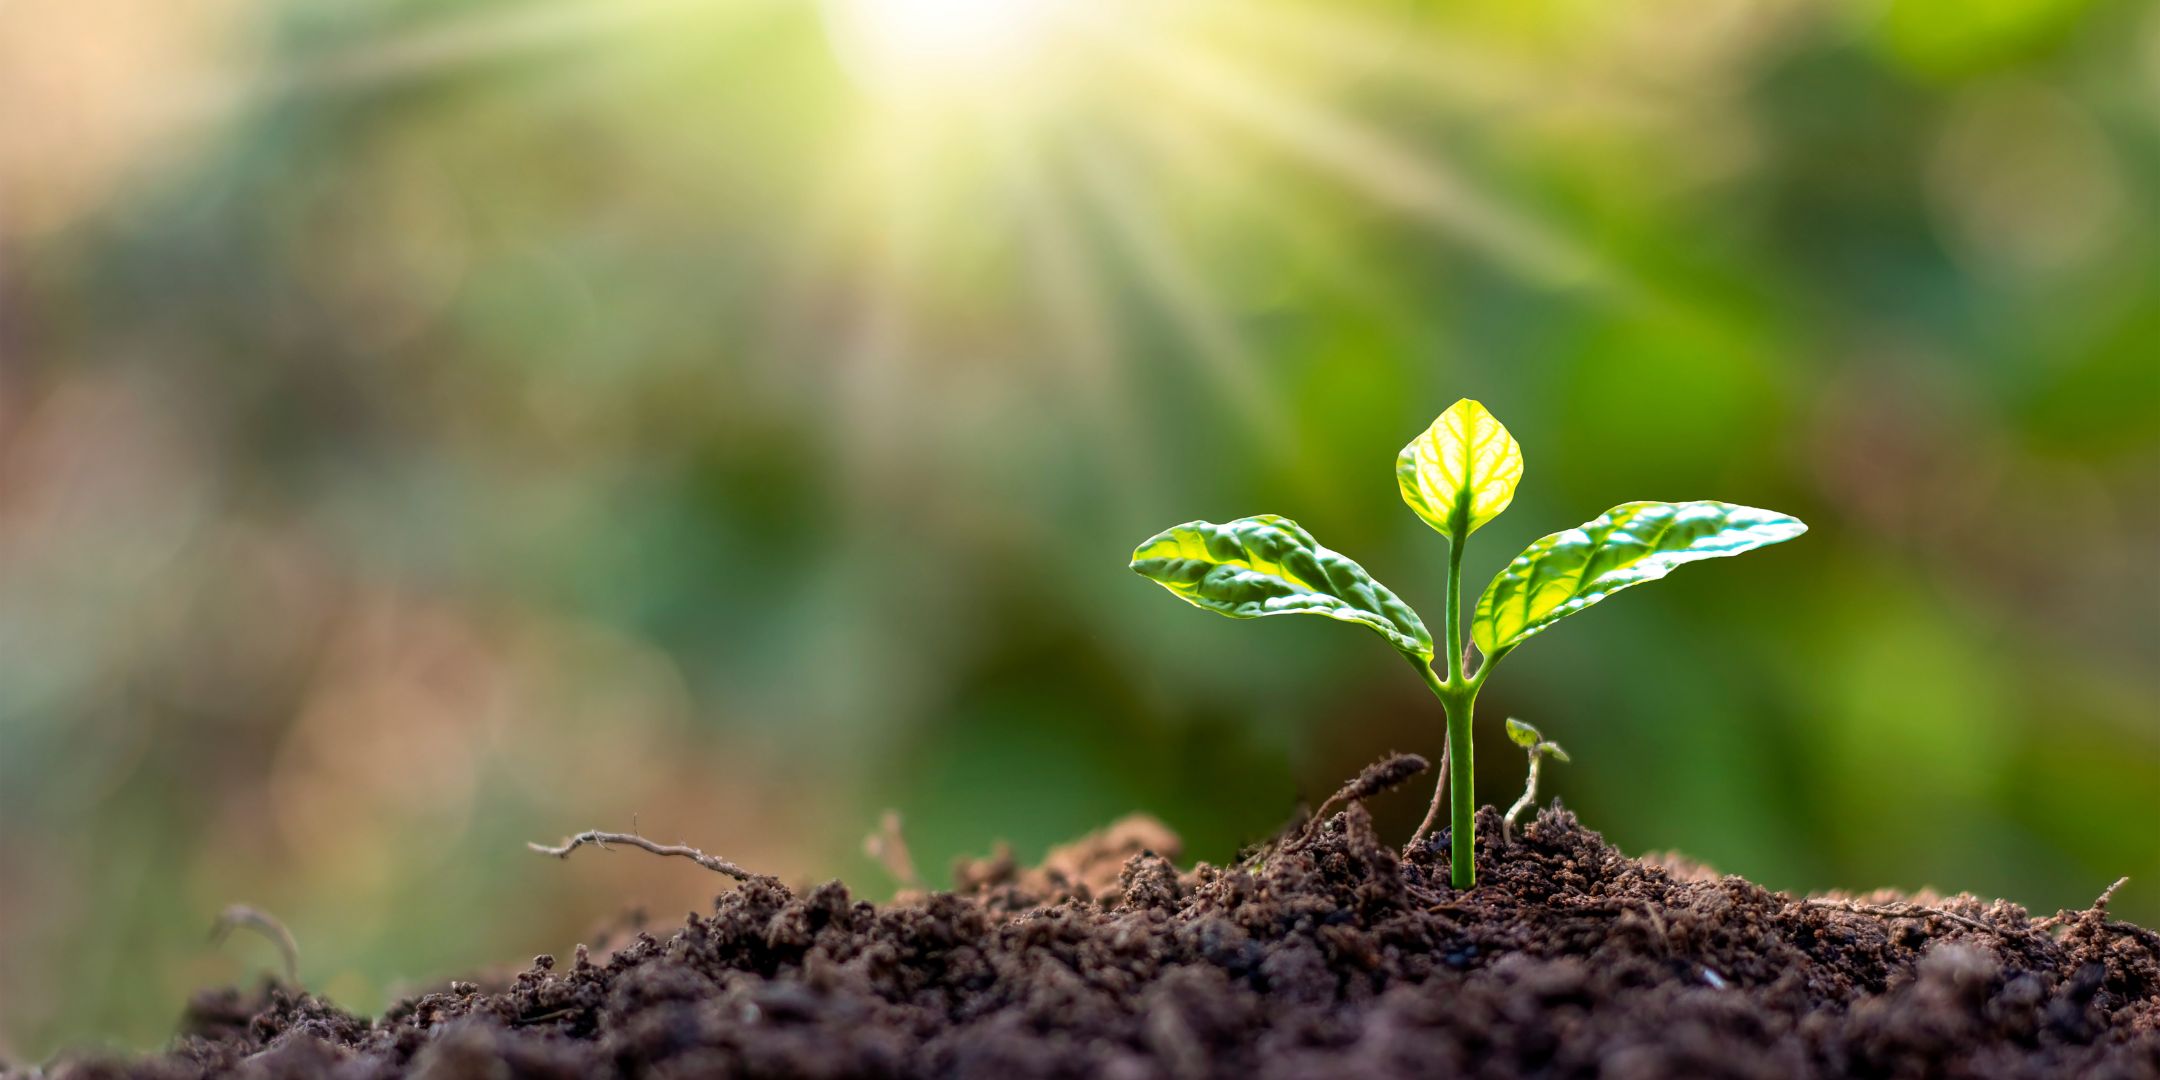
point(1461, 472)
point(1625, 546)
point(1268, 565)
point(1529, 738)
point(1458, 475)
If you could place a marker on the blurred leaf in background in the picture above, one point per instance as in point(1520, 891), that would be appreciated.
point(434, 425)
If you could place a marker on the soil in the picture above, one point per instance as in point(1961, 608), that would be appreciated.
point(1325, 953)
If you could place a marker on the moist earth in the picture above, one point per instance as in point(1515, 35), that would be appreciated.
point(1325, 953)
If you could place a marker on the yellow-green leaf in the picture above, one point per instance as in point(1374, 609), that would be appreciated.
point(1625, 546)
point(1268, 565)
point(1461, 472)
point(1533, 740)
point(1522, 734)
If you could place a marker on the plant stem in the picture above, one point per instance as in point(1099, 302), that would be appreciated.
point(1458, 700)
point(1462, 795)
point(1460, 705)
point(1454, 611)
point(1529, 794)
point(1458, 696)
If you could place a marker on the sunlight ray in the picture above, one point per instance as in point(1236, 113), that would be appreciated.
point(1384, 47)
point(1367, 160)
point(1182, 292)
point(869, 381)
point(1075, 307)
point(1200, 156)
point(490, 35)
point(1180, 289)
point(810, 278)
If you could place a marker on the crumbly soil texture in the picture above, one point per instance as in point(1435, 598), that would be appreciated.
point(1325, 953)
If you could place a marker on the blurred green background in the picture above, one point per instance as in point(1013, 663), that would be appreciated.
point(431, 426)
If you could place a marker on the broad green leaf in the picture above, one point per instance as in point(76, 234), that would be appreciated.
point(1522, 734)
point(1461, 472)
point(1626, 545)
point(1267, 565)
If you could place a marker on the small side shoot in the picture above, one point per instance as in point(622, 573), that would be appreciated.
point(1535, 745)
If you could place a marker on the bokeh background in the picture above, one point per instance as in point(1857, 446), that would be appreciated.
point(431, 426)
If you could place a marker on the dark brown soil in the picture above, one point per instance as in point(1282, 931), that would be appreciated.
point(1324, 956)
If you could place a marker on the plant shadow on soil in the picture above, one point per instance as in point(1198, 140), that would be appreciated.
point(1324, 953)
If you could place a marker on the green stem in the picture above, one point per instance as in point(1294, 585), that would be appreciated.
point(1457, 691)
point(1459, 701)
point(1454, 611)
point(1458, 696)
point(1462, 791)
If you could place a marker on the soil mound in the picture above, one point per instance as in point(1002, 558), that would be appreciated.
point(1323, 954)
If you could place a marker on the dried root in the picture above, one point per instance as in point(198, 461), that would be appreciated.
point(2095, 916)
point(241, 916)
point(1383, 775)
point(890, 849)
point(601, 840)
point(1439, 803)
point(2100, 904)
point(1900, 910)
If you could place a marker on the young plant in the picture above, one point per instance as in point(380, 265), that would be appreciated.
point(1535, 745)
point(1458, 475)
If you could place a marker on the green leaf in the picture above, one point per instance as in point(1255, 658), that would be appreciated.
point(1522, 734)
point(1267, 565)
point(1626, 545)
point(1529, 738)
point(1461, 472)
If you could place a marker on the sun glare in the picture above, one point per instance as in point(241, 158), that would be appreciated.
point(941, 46)
point(1074, 140)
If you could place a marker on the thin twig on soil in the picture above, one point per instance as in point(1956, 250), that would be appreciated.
point(1439, 803)
point(1383, 775)
point(1901, 910)
point(889, 847)
point(266, 924)
point(601, 840)
point(542, 1018)
point(2108, 894)
point(2127, 929)
point(2099, 908)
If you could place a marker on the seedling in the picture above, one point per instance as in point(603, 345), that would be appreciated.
point(1458, 475)
point(1535, 745)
